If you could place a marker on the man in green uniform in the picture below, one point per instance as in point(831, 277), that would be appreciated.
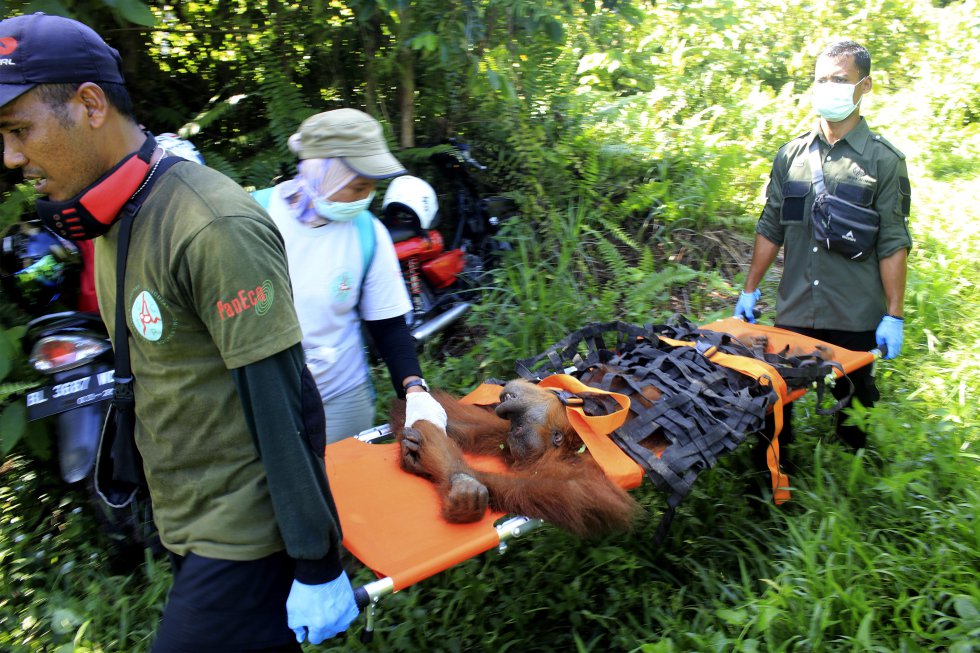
point(233, 464)
point(855, 304)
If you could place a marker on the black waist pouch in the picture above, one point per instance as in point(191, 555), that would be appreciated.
point(118, 465)
point(845, 228)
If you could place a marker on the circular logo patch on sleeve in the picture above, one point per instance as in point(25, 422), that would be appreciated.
point(146, 316)
point(266, 296)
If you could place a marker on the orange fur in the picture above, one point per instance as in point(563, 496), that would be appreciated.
point(556, 483)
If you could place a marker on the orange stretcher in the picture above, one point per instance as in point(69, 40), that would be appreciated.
point(392, 519)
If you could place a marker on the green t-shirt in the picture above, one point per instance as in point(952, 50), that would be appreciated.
point(206, 291)
point(821, 289)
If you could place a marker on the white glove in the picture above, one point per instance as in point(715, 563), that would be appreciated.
point(421, 405)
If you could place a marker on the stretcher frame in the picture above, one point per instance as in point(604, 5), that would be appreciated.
point(374, 495)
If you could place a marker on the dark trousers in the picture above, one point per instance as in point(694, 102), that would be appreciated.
point(227, 606)
point(865, 391)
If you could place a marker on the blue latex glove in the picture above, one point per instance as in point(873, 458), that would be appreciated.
point(746, 305)
point(889, 333)
point(321, 611)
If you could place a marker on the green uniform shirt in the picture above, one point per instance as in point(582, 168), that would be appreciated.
point(821, 289)
point(206, 291)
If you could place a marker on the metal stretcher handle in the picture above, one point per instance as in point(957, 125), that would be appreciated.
point(361, 597)
point(878, 353)
point(372, 592)
point(509, 529)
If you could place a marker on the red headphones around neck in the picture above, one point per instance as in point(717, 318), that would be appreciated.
point(90, 213)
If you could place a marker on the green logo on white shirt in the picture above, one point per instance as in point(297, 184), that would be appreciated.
point(343, 285)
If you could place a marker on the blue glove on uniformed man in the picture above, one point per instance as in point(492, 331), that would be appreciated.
point(746, 305)
point(321, 611)
point(889, 333)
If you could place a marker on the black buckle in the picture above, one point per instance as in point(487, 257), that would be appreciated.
point(705, 348)
point(567, 398)
point(123, 395)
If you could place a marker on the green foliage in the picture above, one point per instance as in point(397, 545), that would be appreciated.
point(637, 139)
point(952, 136)
point(14, 205)
point(127, 11)
point(57, 592)
point(16, 377)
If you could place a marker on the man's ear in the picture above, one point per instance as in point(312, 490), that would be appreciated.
point(94, 102)
point(866, 85)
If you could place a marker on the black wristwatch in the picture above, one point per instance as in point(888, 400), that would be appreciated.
point(416, 382)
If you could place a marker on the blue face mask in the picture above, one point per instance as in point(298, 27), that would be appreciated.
point(341, 211)
point(835, 101)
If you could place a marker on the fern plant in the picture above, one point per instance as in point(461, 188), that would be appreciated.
point(16, 378)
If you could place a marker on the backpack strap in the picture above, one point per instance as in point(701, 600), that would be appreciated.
point(123, 398)
point(816, 167)
point(118, 467)
point(365, 233)
point(263, 196)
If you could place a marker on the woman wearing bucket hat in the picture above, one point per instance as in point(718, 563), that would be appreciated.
point(344, 269)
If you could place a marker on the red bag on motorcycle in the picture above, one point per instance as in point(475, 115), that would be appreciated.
point(443, 270)
point(425, 248)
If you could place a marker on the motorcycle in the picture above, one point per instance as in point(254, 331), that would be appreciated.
point(72, 350)
point(444, 275)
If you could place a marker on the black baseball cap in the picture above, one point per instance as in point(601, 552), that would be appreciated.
point(42, 49)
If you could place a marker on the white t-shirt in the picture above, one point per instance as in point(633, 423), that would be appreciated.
point(326, 268)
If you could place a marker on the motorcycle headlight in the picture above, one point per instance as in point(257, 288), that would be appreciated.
point(58, 353)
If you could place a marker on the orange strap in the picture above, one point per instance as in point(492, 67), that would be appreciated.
point(485, 394)
point(594, 430)
point(767, 375)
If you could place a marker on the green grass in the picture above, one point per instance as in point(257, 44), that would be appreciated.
point(876, 552)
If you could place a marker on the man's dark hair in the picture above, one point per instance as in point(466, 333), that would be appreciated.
point(56, 96)
point(845, 48)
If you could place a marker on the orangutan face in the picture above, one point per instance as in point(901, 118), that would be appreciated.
point(537, 418)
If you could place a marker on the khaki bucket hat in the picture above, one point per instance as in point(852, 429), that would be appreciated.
point(351, 135)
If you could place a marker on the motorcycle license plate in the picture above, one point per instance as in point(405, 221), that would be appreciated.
point(59, 397)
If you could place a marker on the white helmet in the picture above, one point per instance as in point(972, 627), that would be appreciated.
point(410, 200)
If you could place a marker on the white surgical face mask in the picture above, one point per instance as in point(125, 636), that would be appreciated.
point(834, 100)
point(342, 211)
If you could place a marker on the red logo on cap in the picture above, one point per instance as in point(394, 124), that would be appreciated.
point(7, 45)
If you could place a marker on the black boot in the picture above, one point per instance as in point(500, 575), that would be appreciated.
point(852, 436)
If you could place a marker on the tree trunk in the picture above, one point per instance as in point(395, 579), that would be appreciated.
point(406, 73)
point(407, 96)
point(370, 30)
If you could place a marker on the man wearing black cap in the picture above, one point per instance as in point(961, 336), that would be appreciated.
point(234, 469)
